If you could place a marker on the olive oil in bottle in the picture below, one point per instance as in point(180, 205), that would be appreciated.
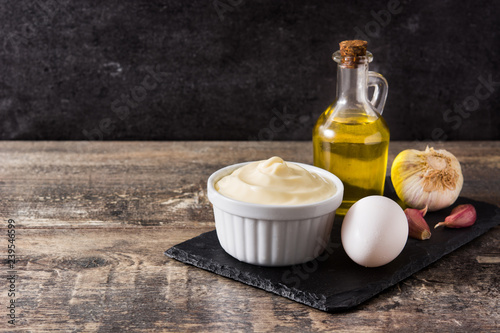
point(351, 139)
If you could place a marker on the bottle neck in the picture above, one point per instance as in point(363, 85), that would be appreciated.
point(352, 84)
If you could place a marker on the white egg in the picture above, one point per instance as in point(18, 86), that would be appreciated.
point(374, 231)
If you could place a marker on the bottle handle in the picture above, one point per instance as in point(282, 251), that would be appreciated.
point(379, 82)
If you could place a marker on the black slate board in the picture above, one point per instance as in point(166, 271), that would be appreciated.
point(333, 282)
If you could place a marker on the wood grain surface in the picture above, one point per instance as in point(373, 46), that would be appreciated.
point(93, 220)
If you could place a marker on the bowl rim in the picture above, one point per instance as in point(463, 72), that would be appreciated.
point(275, 212)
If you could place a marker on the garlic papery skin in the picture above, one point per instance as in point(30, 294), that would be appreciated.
point(431, 178)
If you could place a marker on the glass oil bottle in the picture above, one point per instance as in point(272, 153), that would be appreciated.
point(351, 139)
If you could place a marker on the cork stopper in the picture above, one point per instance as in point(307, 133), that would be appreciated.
point(351, 51)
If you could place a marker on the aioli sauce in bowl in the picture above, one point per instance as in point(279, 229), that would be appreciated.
point(275, 182)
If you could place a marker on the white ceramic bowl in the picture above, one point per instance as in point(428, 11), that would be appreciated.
point(273, 235)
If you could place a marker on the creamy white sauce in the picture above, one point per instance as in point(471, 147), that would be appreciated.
point(275, 182)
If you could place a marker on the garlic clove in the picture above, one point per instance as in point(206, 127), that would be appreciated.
point(423, 211)
point(461, 216)
point(417, 226)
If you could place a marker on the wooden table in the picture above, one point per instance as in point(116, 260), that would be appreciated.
point(92, 221)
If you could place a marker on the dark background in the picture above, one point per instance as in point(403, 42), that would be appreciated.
point(240, 70)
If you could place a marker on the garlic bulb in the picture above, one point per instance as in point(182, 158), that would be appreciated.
point(431, 178)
